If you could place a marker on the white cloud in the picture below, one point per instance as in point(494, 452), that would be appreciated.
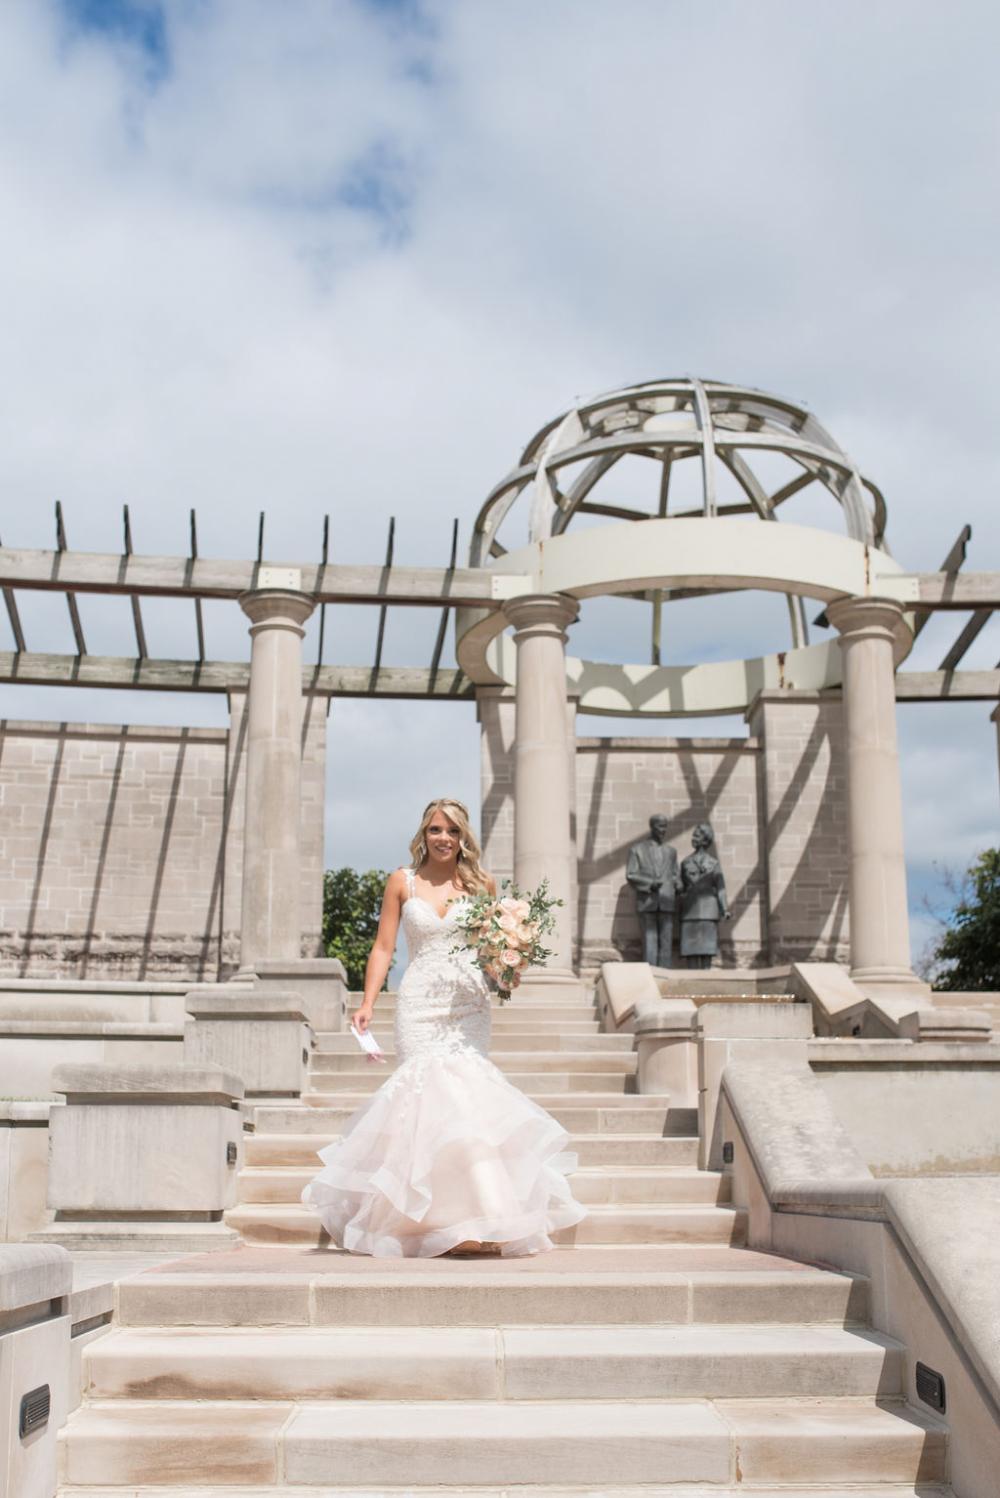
point(345, 257)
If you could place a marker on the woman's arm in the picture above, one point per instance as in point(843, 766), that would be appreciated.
point(383, 948)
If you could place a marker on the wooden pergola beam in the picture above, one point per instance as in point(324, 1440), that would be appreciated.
point(120, 673)
point(203, 577)
point(123, 673)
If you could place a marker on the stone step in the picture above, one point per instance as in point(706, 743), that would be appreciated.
point(555, 1039)
point(685, 1362)
point(533, 1009)
point(597, 1184)
point(655, 1284)
point(593, 1113)
point(524, 1490)
point(334, 1084)
point(358, 1442)
point(621, 1063)
point(616, 1223)
point(262, 1150)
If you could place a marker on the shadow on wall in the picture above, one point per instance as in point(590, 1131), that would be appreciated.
point(118, 851)
point(809, 918)
point(685, 804)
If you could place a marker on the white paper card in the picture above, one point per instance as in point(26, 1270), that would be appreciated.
point(368, 1043)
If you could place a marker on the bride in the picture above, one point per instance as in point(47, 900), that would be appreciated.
point(447, 1156)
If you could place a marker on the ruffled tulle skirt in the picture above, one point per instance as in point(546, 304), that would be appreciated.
point(446, 1151)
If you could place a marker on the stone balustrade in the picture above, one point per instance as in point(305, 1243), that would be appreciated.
point(262, 1037)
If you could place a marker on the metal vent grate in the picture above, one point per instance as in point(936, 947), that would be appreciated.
point(930, 1387)
point(34, 1410)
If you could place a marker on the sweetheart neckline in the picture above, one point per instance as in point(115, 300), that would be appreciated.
point(430, 907)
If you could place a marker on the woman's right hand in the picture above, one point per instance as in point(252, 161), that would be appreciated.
point(361, 1018)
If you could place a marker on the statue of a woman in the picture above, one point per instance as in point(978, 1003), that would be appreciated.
point(703, 899)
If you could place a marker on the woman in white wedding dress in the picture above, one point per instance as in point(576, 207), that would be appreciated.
point(446, 1156)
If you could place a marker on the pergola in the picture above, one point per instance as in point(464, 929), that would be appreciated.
point(670, 551)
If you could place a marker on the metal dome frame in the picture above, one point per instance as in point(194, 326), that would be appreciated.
point(676, 555)
point(725, 422)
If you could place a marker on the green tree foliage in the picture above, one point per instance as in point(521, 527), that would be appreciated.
point(351, 905)
point(967, 958)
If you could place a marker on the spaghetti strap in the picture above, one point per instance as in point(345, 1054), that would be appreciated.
point(410, 891)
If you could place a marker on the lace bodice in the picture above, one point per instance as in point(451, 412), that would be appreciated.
point(443, 1000)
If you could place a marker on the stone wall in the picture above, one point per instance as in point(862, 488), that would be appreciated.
point(804, 819)
point(775, 801)
point(620, 784)
point(121, 848)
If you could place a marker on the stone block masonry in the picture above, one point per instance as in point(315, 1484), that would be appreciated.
point(121, 848)
point(776, 801)
point(803, 800)
point(620, 784)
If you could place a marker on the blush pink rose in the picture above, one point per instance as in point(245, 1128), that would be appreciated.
point(512, 958)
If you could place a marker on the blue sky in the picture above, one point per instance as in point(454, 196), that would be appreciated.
point(346, 256)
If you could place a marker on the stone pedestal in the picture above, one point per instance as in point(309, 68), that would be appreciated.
point(665, 1039)
point(270, 917)
point(871, 631)
point(319, 982)
point(24, 1168)
point(261, 1037)
point(145, 1157)
point(543, 797)
point(775, 1033)
point(35, 1284)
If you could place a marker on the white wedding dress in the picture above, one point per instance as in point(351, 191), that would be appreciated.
point(446, 1150)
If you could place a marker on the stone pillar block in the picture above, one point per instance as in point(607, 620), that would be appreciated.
point(319, 982)
point(24, 1168)
point(665, 1038)
point(144, 1155)
point(874, 636)
point(259, 1036)
point(741, 1032)
point(35, 1282)
point(270, 916)
point(543, 764)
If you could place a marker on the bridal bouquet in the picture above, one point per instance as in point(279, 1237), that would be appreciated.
point(506, 931)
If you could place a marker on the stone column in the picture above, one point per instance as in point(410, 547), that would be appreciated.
point(270, 919)
point(543, 842)
point(870, 629)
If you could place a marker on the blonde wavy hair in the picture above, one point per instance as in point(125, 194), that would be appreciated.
point(469, 873)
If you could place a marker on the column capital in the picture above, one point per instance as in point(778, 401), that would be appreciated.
point(277, 608)
point(872, 619)
point(541, 613)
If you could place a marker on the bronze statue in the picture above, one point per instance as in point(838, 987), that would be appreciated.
point(651, 870)
point(703, 899)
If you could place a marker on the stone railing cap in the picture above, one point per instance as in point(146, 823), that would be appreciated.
point(248, 1003)
point(26, 1110)
point(33, 1272)
point(664, 1016)
point(305, 967)
point(106, 1079)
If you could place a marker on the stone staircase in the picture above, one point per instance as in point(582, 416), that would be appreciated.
point(649, 1354)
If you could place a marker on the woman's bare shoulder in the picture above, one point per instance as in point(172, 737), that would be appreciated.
point(491, 883)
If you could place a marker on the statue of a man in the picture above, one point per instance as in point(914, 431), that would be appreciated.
point(703, 899)
point(652, 872)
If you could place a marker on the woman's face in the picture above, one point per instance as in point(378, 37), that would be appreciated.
point(700, 838)
point(442, 837)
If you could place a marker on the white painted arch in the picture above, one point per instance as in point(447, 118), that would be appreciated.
point(674, 555)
